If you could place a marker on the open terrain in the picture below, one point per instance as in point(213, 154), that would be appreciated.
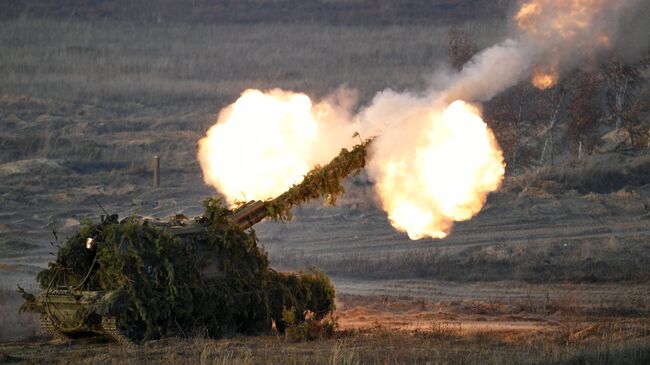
point(564, 325)
point(555, 269)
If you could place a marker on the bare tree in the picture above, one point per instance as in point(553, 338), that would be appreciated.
point(554, 104)
point(640, 129)
point(462, 46)
point(510, 116)
point(624, 79)
point(585, 110)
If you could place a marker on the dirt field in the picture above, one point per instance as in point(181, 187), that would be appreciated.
point(569, 324)
point(555, 268)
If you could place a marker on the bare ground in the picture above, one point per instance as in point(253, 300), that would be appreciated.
point(512, 328)
point(555, 269)
point(544, 274)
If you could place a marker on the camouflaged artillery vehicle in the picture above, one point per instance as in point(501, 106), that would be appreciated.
point(137, 279)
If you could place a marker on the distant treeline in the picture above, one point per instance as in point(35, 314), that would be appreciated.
point(367, 12)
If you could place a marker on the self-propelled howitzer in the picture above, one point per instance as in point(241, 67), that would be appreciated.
point(134, 280)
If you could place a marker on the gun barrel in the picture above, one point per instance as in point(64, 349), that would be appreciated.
point(249, 214)
point(319, 182)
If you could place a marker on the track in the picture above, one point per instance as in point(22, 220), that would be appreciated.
point(48, 327)
point(111, 330)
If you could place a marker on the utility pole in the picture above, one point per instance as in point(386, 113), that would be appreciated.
point(580, 150)
point(156, 171)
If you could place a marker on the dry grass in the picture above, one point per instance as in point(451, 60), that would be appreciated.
point(561, 331)
point(115, 91)
point(106, 96)
point(564, 331)
point(188, 63)
point(602, 174)
point(355, 347)
point(573, 260)
point(367, 12)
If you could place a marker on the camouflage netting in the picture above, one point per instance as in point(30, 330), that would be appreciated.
point(215, 280)
point(167, 286)
point(325, 181)
point(305, 293)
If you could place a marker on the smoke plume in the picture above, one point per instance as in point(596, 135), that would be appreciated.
point(433, 160)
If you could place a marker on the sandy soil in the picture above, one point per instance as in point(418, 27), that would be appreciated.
point(504, 306)
point(426, 326)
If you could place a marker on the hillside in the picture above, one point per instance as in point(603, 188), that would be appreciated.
point(379, 12)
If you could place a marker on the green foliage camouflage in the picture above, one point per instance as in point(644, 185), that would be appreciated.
point(322, 181)
point(214, 280)
point(163, 283)
point(307, 294)
point(308, 330)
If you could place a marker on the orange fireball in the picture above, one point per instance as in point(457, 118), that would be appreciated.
point(427, 184)
point(260, 145)
point(544, 79)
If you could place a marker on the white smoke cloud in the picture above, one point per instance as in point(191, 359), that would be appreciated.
point(557, 34)
point(433, 159)
point(492, 71)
